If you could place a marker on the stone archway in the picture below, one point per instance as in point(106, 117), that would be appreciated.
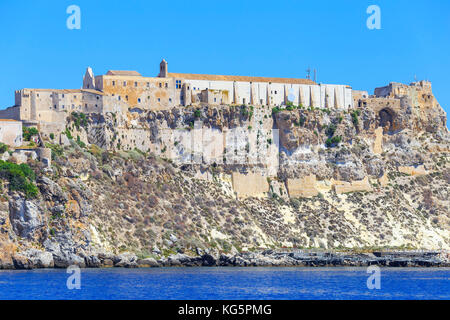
point(386, 120)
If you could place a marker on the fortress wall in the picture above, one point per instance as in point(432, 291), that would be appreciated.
point(354, 186)
point(11, 113)
point(308, 186)
point(413, 171)
point(250, 185)
point(11, 132)
point(303, 187)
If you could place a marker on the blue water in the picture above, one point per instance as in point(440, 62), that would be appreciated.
point(226, 283)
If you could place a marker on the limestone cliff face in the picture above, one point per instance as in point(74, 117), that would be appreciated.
point(377, 176)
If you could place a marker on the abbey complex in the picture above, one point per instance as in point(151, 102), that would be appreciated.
point(183, 162)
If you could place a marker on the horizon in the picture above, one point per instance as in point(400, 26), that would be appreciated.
point(259, 39)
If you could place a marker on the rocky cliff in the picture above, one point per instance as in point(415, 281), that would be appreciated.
point(132, 187)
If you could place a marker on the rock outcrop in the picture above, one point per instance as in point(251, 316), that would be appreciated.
point(371, 179)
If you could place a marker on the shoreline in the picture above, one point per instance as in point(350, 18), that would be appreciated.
point(267, 258)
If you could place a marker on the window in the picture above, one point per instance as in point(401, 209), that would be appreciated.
point(98, 97)
point(160, 85)
point(85, 105)
point(275, 91)
point(178, 84)
point(63, 95)
point(126, 97)
point(214, 99)
point(135, 84)
point(148, 84)
point(124, 83)
point(96, 106)
point(170, 99)
point(139, 100)
point(114, 83)
point(167, 85)
point(118, 98)
point(159, 99)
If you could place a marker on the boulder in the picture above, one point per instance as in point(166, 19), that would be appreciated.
point(25, 217)
point(51, 190)
point(33, 258)
point(147, 262)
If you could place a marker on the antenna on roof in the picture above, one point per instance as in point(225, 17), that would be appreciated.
point(315, 75)
point(308, 73)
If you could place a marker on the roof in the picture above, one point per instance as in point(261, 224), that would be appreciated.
point(9, 120)
point(123, 73)
point(69, 90)
point(212, 77)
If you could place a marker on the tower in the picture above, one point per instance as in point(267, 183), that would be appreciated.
point(88, 79)
point(163, 69)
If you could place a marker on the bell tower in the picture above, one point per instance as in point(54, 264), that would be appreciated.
point(163, 69)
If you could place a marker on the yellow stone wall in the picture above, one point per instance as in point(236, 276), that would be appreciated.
point(250, 185)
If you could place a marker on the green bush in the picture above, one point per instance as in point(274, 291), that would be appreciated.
point(28, 133)
point(3, 147)
point(52, 136)
point(20, 178)
point(80, 143)
point(334, 141)
point(57, 150)
point(79, 119)
point(355, 114)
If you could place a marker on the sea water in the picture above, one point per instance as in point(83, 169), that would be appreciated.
point(226, 283)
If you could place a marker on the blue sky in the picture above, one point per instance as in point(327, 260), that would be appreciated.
point(258, 38)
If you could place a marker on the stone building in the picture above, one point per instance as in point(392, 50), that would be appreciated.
point(11, 132)
point(123, 91)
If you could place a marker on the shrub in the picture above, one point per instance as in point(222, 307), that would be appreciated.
point(355, 115)
point(20, 178)
point(197, 113)
point(330, 130)
point(275, 110)
point(80, 143)
point(52, 136)
point(28, 133)
point(3, 147)
point(331, 142)
point(57, 150)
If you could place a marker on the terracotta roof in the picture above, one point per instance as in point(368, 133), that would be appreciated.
point(212, 77)
point(123, 73)
point(69, 90)
point(11, 120)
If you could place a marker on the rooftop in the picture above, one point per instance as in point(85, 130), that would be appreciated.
point(123, 73)
point(212, 77)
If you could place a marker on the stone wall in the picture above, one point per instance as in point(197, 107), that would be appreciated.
point(302, 187)
point(354, 186)
point(413, 171)
point(250, 184)
point(11, 132)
